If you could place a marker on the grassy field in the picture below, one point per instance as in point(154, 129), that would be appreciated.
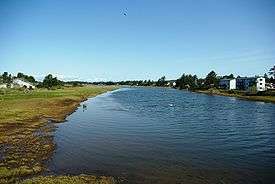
point(240, 94)
point(26, 134)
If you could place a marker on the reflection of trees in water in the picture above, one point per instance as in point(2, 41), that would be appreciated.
point(84, 107)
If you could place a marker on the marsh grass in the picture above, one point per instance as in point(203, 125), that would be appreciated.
point(81, 179)
point(26, 134)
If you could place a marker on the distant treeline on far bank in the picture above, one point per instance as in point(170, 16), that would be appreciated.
point(186, 81)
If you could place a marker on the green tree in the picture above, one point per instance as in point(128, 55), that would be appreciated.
point(7, 78)
point(266, 78)
point(231, 76)
point(272, 72)
point(28, 78)
point(187, 82)
point(50, 81)
point(20, 75)
point(211, 80)
point(161, 81)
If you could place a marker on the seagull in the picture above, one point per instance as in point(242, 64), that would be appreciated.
point(125, 14)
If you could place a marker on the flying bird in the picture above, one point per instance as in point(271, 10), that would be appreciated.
point(125, 12)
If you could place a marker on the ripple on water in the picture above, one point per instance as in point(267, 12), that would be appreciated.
point(153, 135)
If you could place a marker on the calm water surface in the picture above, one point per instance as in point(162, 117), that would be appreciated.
point(149, 135)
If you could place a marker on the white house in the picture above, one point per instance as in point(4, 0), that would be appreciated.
point(228, 83)
point(22, 83)
point(260, 84)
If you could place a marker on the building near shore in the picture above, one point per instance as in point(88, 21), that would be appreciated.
point(227, 84)
point(23, 84)
point(245, 83)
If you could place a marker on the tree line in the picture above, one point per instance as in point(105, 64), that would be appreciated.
point(48, 82)
point(186, 81)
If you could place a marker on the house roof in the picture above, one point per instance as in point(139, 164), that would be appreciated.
point(23, 80)
point(227, 79)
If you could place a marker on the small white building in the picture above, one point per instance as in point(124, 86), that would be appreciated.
point(228, 84)
point(260, 84)
point(23, 84)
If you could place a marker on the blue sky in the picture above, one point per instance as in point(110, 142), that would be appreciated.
point(93, 40)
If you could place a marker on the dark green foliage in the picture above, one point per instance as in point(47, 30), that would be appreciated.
point(231, 76)
point(272, 72)
point(272, 75)
point(50, 81)
point(161, 81)
point(187, 82)
point(6, 78)
point(28, 78)
point(211, 80)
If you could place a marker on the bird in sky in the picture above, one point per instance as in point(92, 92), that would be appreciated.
point(125, 12)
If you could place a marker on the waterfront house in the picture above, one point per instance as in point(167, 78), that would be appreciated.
point(245, 83)
point(23, 84)
point(227, 84)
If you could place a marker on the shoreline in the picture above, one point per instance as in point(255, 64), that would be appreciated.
point(27, 139)
point(266, 99)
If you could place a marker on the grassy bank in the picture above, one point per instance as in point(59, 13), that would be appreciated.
point(240, 94)
point(26, 135)
point(81, 179)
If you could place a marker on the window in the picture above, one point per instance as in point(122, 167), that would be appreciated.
point(261, 83)
point(261, 79)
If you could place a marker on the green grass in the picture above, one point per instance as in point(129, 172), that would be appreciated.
point(22, 114)
point(17, 105)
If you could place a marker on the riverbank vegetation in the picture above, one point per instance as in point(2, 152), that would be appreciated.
point(26, 116)
point(266, 96)
point(26, 128)
point(81, 179)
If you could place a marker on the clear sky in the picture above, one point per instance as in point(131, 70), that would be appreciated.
point(93, 40)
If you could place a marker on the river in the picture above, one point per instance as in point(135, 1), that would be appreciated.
point(157, 135)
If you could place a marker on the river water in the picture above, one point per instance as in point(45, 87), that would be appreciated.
point(156, 135)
